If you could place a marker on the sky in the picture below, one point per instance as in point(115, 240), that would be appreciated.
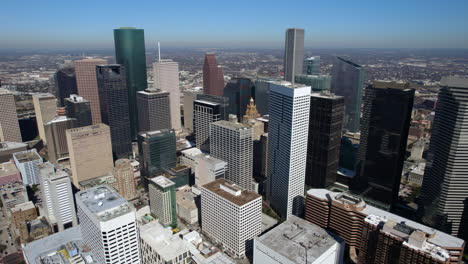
point(88, 24)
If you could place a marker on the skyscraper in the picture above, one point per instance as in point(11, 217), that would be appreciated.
point(190, 95)
point(311, 66)
point(162, 200)
point(80, 109)
point(90, 152)
point(384, 132)
point(57, 197)
point(108, 225)
point(86, 82)
point(65, 83)
point(154, 110)
point(231, 215)
point(9, 125)
point(213, 77)
point(287, 147)
point(130, 53)
point(323, 146)
point(157, 151)
point(239, 91)
point(293, 53)
point(348, 81)
point(45, 107)
point(57, 147)
point(112, 86)
point(27, 163)
point(166, 74)
point(232, 142)
point(123, 173)
point(444, 192)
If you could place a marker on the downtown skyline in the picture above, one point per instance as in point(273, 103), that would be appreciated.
point(331, 24)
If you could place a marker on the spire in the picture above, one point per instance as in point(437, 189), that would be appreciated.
point(251, 113)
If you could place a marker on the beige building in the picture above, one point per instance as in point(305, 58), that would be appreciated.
point(22, 213)
point(90, 152)
point(86, 83)
point(166, 73)
point(9, 126)
point(45, 107)
point(250, 120)
point(123, 172)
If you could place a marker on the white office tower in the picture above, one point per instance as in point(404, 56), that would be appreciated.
point(188, 157)
point(26, 162)
point(166, 78)
point(190, 95)
point(232, 142)
point(108, 225)
point(231, 215)
point(208, 169)
point(298, 241)
point(444, 193)
point(57, 197)
point(287, 146)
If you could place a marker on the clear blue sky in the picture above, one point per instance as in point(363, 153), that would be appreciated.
point(236, 23)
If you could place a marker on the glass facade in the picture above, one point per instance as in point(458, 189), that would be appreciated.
point(316, 82)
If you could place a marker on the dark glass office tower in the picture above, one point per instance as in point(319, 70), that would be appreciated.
point(311, 66)
point(80, 109)
point(348, 81)
point(154, 110)
point(444, 195)
point(323, 146)
point(239, 91)
point(130, 53)
point(65, 83)
point(384, 132)
point(113, 98)
point(157, 151)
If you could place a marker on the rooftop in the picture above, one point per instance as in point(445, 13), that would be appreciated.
point(87, 130)
point(231, 192)
point(76, 98)
point(296, 236)
point(11, 145)
point(212, 160)
point(326, 94)
point(44, 96)
point(27, 156)
point(391, 85)
point(60, 119)
point(104, 202)
point(162, 181)
point(156, 133)
point(152, 91)
point(64, 247)
point(206, 102)
point(231, 125)
point(7, 169)
point(191, 152)
point(23, 207)
point(4, 91)
point(455, 81)
point(438, 238)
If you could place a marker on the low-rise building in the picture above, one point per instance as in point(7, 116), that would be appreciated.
point(8, 148)
point(22, 213)
point(11, 195)
point(187, 210)
point(9, 173)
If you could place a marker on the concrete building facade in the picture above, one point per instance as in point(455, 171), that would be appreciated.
point(27, 163)
point(166, 74)
point(45, 107)
point(9, 125)
point(154, 108)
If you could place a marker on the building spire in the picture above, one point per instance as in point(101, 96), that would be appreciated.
point(251, 113)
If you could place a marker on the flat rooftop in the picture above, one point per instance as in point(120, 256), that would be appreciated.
point(44, 96)
point(87, 130)
point(231, 125)
point(229, 190)
point(11, 145)
point(455, 81)
point(23, 207)
point(162, 181)
point(326, 94)
point(438, 238)
point(153, 91)
point(7, 169)
point(292, 237)
point(391, 85)
point(4, 91)
point(211, 160)
point(156, 133)
point(104, 202)
point(27, 156)
point(206, 102)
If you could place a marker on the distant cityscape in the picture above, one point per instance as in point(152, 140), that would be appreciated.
point(216, 156)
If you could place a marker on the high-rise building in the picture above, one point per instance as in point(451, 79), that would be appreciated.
point(154, 110)
point(157, 151)
point(130, 53)
point(190, 95)
point(239, 91)
point(9, 125)
point(444, 192)
point(262, 94)
point(90, 152)
point(57, 147)
point(250, 119)
point(384, 132)
point(57, 197)
point(297, 241)
point(287, 147)
point(65, 83)
point(80, 109)
point(232, 142)
point(27, 163)
point(323, 146)
point(213, 77)
point(208, 169)
point(311, 66)
point(86, 82)
point(317, 83)
point(112, 86)
point(162, 200)
point(123, 173)
point(348, 81)
point(231, 215)
point(293, 53)
point(45, 107)
point(166, 74)
point(108, 225)
point(373, 235)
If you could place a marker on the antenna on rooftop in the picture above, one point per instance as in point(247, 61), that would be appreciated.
point(159, 52)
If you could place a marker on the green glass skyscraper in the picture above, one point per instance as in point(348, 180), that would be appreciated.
point(130, 52)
